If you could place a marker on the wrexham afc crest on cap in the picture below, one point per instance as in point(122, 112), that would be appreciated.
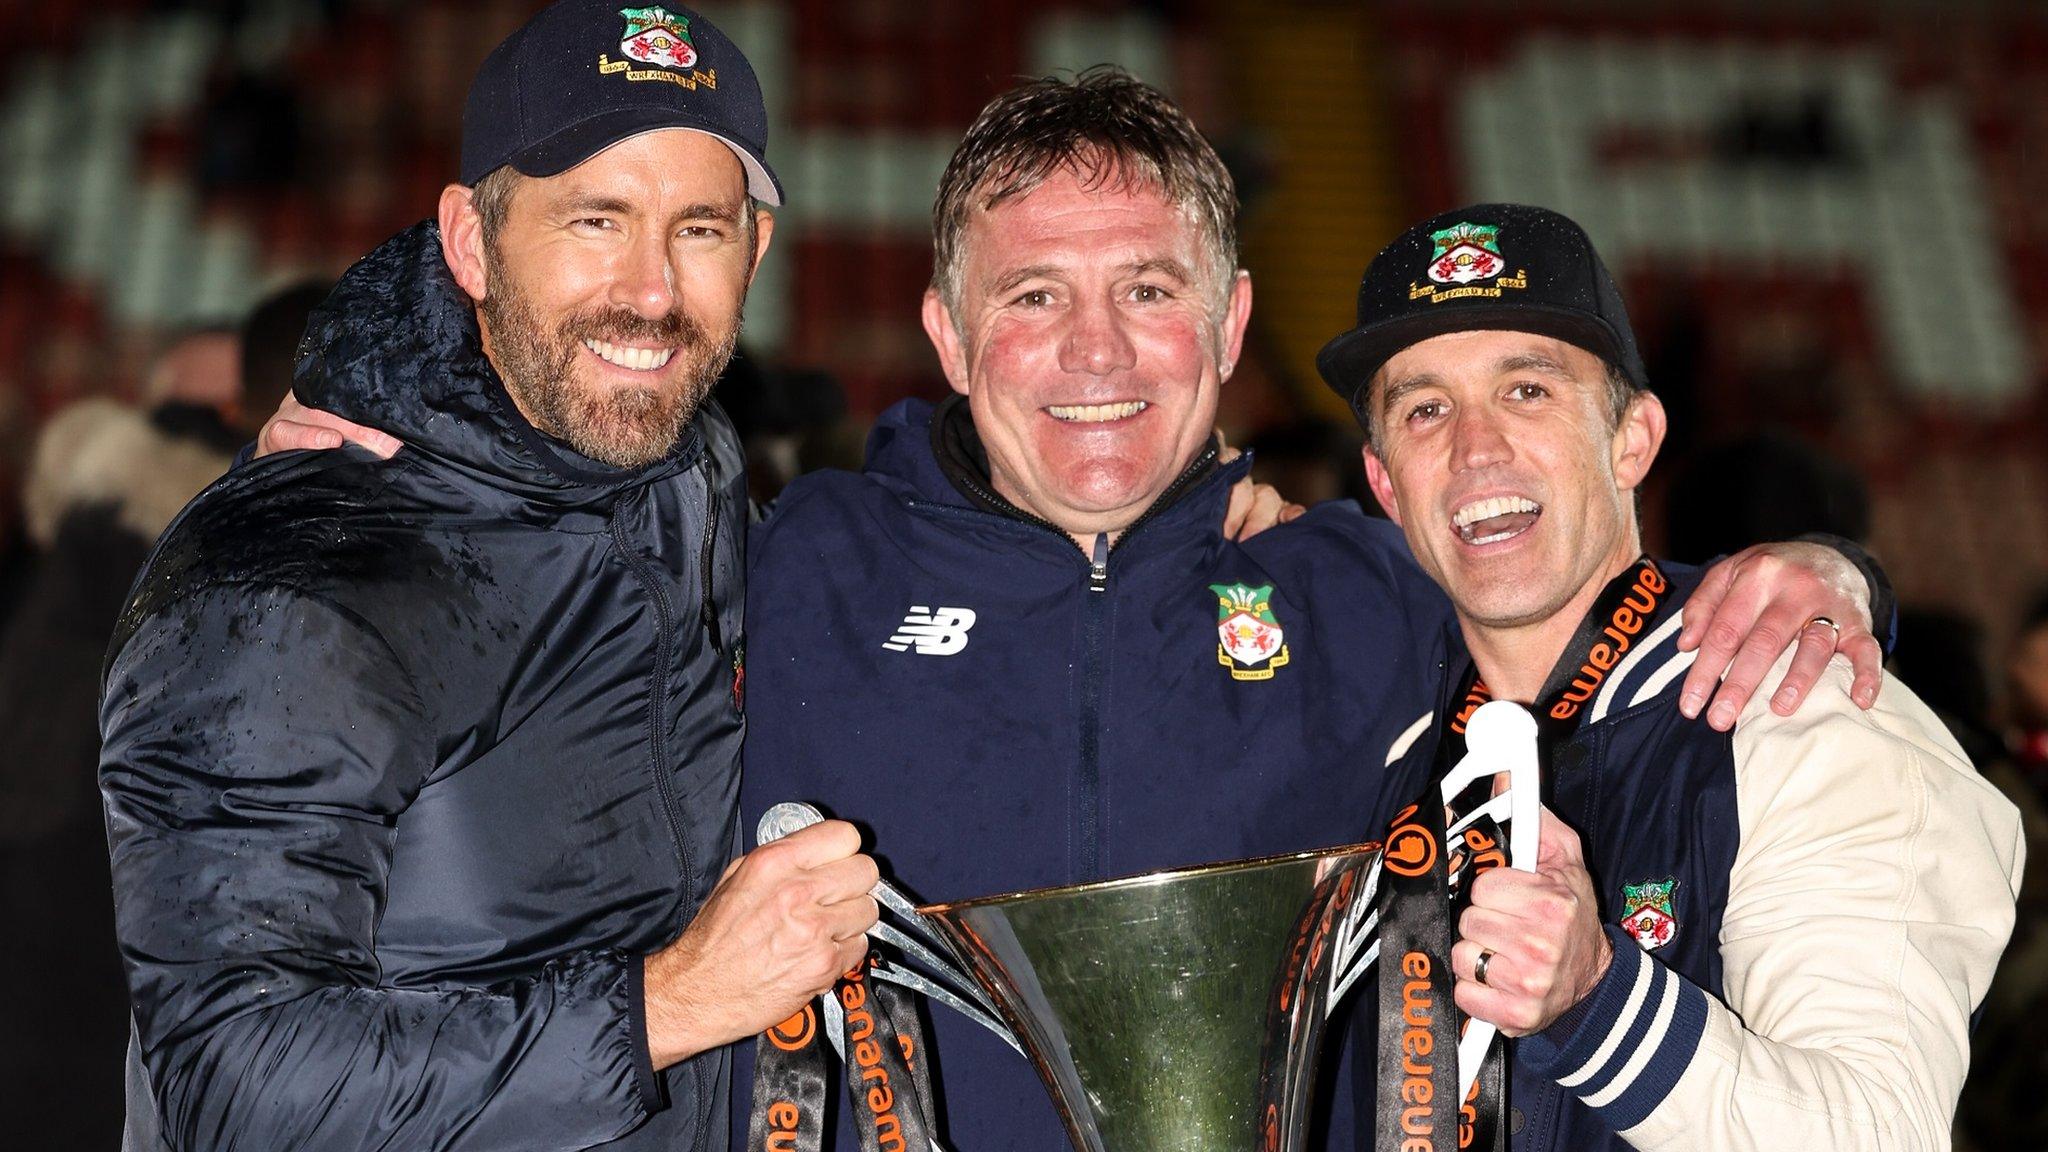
point(1253, 643)
point(1647, 913)
point(657, 36)
point(1466, 252)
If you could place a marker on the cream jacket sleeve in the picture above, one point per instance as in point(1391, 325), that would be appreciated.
point(1870, 899)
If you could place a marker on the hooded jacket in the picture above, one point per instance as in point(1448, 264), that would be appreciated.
point(407, 763)
point(1004, 711)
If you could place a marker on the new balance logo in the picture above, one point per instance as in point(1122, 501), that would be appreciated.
point(932, 633)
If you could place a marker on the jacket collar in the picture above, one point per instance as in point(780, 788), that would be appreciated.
point(955, 446)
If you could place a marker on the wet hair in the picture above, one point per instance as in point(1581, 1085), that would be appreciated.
point(1107, 127)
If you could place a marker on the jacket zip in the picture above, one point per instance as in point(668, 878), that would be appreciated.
point(1087, 827)
point(658, 687)
point(1088, 812)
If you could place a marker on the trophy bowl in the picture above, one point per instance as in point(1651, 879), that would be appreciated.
point(1174, 1010)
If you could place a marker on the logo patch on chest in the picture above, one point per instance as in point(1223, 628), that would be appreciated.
point(1648, 913)
point(1251, 642)
point(932, 631)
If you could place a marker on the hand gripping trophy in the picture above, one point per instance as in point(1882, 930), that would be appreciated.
point(1184, 1009)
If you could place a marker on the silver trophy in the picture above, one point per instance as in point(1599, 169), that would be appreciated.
point(1182, 1009)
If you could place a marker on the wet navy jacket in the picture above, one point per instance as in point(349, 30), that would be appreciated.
point(407, 763)
point(1813, 906)
point(1001, 713)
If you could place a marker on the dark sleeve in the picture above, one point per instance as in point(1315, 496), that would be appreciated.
point(1884, 606)
point(261, 748)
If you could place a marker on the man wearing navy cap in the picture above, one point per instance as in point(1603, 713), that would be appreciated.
point(420, 773)
point(1766, 937)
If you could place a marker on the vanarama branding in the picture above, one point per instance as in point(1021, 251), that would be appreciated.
point(1418, 1054)
point(866, 1051)
point(797, 1031)
point(1637, 605)
point(1476, 695)
point(784, 1119)
point(1411, 847)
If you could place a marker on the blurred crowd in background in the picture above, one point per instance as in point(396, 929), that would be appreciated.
point(1825, 215)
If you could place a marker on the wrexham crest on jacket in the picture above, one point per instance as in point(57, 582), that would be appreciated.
point(1647, 913)
point(1252, 642)
point(657, 36)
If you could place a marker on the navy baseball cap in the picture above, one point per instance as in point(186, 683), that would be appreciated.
point(1488, 266)
point(585, 74)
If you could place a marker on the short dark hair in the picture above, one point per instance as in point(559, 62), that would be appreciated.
point(1620, 390)
point(1106, 126)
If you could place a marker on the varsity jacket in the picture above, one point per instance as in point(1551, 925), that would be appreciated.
point(1002, 711)
point(1804, 913)
point(408, 763)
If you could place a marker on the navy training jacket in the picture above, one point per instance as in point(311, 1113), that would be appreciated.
point(408, 762)
point(1000, 716)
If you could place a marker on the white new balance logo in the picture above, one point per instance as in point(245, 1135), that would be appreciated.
point(940, 633)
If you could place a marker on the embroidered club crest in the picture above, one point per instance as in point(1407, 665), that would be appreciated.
point(657, 36)
point(1647, 913)
point(1252, 641)
point(1466, 252)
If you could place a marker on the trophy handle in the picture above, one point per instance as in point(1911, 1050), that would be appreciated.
point(957, 991)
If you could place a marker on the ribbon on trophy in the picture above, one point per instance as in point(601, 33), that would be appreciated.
point(1442, 1080)
point(1425, 860)
point(881, 1045)
point(870, 1024)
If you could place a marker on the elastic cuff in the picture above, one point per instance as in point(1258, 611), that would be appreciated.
point(1573, 1038)
point(1626, 1051)
point(653, 1089)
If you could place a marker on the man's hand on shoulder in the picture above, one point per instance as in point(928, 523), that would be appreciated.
point(785, 920)
point(1540, 935)
point(1751, 605)
point(1253, 507)
point(296, 426)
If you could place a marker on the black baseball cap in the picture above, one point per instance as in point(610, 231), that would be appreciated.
point(1488, 266)
point(585, 74)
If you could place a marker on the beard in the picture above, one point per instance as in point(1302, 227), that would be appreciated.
point(623, 426)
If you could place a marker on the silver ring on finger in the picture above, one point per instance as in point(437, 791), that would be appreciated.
point(1824, 620)
point(1479, 966)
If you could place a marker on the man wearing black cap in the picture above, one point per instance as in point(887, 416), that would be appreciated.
point(1767, 937)
point(420, 772)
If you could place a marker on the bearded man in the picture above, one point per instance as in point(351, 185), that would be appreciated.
point(420, 773)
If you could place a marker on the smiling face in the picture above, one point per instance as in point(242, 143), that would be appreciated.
point(1501, 460)
point(1091, 344)
point(610, 296)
